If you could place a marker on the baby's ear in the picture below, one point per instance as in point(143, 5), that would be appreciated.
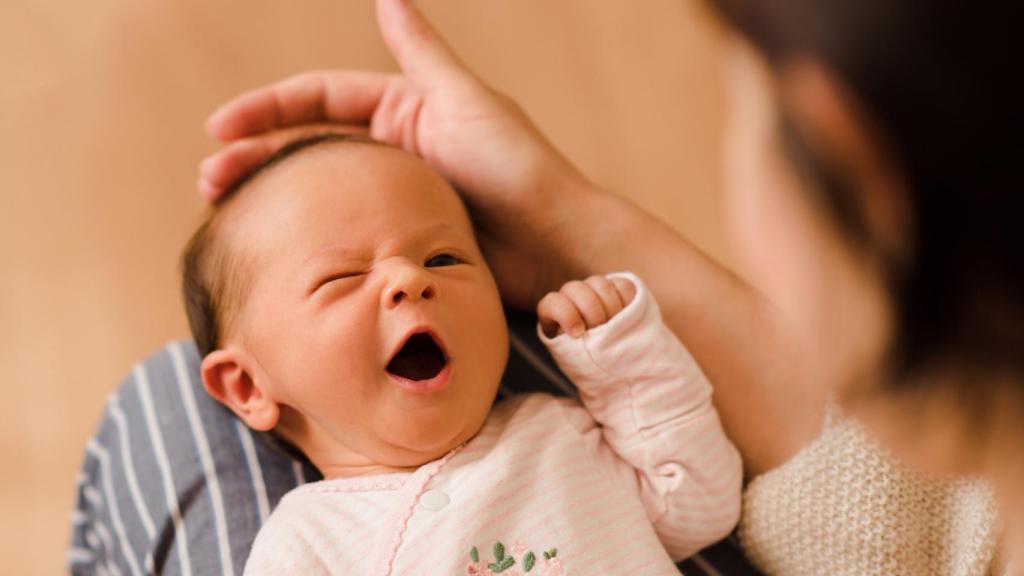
point(228, 376)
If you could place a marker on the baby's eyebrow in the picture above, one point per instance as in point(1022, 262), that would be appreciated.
point(332, 252)
point(341, 251)
point(435, 229)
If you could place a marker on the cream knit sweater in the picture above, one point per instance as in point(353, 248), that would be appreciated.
point(844, 506)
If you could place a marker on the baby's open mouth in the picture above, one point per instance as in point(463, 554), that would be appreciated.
point(420, 358)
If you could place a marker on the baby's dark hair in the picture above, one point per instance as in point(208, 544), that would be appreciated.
point(213, 280)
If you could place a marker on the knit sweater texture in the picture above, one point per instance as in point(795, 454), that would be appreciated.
point(844, 506)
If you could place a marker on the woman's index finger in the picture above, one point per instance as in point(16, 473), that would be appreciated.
point(324, 96)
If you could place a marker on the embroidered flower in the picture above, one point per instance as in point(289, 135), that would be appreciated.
point(506, 562)
point(478, 569)
point(551, 567)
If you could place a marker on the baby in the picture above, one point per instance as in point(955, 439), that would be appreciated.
point(341, 302)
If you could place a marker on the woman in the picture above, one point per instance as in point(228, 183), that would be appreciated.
point(869, 163)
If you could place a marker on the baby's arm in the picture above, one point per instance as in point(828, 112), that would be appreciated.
point(653, 404)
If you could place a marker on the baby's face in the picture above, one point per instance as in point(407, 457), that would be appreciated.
point(372, 317)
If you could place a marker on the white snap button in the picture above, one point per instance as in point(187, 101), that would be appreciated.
point(434, 500)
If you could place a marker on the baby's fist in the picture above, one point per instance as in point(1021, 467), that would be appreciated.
point(579, 306)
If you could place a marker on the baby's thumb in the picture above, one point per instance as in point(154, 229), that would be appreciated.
point(420, 51)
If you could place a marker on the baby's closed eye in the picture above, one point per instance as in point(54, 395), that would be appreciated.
point(336, 277)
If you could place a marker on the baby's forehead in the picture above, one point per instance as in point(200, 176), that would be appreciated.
point(316, 148)
point(344, 182)
point(286, 173)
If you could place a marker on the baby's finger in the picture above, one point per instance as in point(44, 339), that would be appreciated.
point(608, 294)
point(626, 289)
point(556, 314)
point(587, 302)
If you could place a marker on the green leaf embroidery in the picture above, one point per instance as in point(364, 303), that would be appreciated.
point(501, 566)
point(528, 561)
point(503, 561)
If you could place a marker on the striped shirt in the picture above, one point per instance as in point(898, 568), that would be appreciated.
point(641, 477)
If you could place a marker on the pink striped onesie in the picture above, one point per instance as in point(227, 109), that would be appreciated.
point(639, 476)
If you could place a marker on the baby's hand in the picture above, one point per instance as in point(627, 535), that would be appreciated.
point(582, 305)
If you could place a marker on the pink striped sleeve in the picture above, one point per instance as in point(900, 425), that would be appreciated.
point(657, 426)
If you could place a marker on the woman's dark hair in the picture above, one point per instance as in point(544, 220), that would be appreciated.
point(942, 81)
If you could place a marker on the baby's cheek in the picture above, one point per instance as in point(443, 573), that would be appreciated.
point(488, 336)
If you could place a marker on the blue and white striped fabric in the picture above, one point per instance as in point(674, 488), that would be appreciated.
point(172, 483)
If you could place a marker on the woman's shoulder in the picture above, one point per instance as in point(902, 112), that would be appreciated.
point(844, 500)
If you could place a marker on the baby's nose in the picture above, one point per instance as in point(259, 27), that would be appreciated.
point(409, 283)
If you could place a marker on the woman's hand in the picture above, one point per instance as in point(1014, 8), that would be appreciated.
point(481, 141)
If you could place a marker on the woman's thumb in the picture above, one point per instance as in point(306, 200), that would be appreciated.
point(420, 51)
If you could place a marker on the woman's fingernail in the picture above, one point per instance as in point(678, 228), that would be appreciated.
point(204, 166)
point(206, 189)
point(212, 124)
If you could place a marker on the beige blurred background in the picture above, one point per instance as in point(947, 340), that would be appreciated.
point(101, 109)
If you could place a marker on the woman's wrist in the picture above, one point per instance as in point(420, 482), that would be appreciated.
point(531, 236)
point(568, 227)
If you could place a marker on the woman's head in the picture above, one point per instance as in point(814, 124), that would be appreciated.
point(875, 159)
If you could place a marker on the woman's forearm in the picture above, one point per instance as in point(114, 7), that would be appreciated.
point(730, 328)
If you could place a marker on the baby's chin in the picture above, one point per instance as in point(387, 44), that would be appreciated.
point(417, 446)
point(389, 458)
point(422, 453)
point(416, 435)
